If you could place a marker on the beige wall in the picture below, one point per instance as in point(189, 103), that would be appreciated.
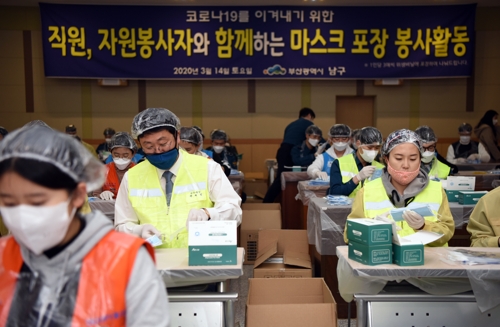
point(440, 103)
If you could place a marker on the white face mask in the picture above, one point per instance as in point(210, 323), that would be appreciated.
point(313, 142)
point(218, 148)
point(108, 140)
point(121, 163)
point(39, 228)
point(369, 155)
point(427, 156)
point(464, 140)
point(339, 146)
point(495, 121)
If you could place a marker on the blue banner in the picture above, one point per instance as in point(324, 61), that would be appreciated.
point(257, 42)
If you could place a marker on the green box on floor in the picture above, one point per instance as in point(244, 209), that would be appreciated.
point(370, 254)
point(408, 254)
point(470, 197)
point(369, 231)
point(452, 195)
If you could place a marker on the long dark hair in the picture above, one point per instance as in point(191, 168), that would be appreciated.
point(488, 120)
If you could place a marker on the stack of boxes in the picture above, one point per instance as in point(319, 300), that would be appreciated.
point(370, 241)
point(461, 189)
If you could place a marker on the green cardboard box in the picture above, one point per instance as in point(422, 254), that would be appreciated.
point(470, 197)
point(369, 231)
point(408, 254)
point(371, 255)
point(452, 195)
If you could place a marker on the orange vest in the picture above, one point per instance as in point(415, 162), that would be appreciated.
point(112, 182)
point(103, 282)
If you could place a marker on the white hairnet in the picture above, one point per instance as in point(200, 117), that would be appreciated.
point(465, 127)
point(191, 135)
point(340, 130)
point(426, 134)
point(314, 130)
point(399, 137)
point(37, 123)
point(122, 140)
point(369, 135)
point(61, 150)
point(218, 134)
point(153, 118)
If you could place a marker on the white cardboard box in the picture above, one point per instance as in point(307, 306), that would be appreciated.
point(460, 183)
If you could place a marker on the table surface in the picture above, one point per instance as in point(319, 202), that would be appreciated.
point(433, 265)
point(293, 176)
point(482, 166)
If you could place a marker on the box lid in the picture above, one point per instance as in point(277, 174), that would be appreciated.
point(257, 220)
point(265, 254)
point(260, 206)
point(299, 259)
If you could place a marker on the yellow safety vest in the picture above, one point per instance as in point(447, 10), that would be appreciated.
point(376, 202)
point(349, 169)
point(190, 191)
point(439, 170)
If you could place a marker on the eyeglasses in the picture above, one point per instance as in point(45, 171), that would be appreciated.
point(430, 148)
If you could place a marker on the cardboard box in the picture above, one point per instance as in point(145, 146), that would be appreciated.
point(369, 231)
point(256, 217)
point(255, 185)
point(212, 243)
point(452, 195)
point(460, 183)
point(290, 302)
point(411, 254)
point(465, 197)
point(283, 254)
point(370, 255)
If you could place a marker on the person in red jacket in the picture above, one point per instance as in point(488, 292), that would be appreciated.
point(123, 148)
point(60, 267)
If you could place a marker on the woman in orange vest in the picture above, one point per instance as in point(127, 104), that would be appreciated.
point(123, 149)
point(60, 267)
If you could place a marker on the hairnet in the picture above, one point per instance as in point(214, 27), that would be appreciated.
point(465, 127)
point(399, 137)
point(191, 135)
point(218, 134)
point(153, 118)
point(426, 134)
point(61, 150)
point(369, 135)
point(71, 128)
point(122, 140)
point(109, 131)
point(199, 130)
point(340, 130)
point(315, 130)
point(37, 123)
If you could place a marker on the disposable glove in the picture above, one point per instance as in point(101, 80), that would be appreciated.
point(149, 230)
point(461, 160)
point(321, 149)
point(473, 156)
point(322, 175)
point(413, 219)
point(197, 215)
point(366, 172)
point(106, 195)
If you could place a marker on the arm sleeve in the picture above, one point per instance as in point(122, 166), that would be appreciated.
point(357, 211)
point(488, 140)
point(315, 167)
point(484, 156)
point(445, 224)
point(482, 234)
point(450, 155)
point(126, 220)
point(222, 194)
point(146, 295)
point(337, 187)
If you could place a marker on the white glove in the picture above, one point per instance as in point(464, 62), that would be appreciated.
point(473, 156)
point(366, 172)
point(461, 160)
point(106, 195)
point(197, 215)
point(149, 230)
point(321, 149)
point(413, 219)
point(322, 175)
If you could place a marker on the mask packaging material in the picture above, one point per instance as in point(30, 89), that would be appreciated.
point(376, 174)
point(338, 200)
point(154, 241)
point(424, 211)
point(319, 182)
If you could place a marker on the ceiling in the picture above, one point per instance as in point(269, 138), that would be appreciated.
point(481, 3)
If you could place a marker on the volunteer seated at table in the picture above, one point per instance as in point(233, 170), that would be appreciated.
point(159, 195)
point(223, 151)
point(304, 154)
point(123, 148)
point(339, 139)
point(404, 182)
point(484, 221)
point(207, 152)
point(433, 164)
point(350, 172)
point(61, 267)
point(466, 151)
point(191, 140)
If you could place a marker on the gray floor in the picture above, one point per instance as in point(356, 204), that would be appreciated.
point(241, 287)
